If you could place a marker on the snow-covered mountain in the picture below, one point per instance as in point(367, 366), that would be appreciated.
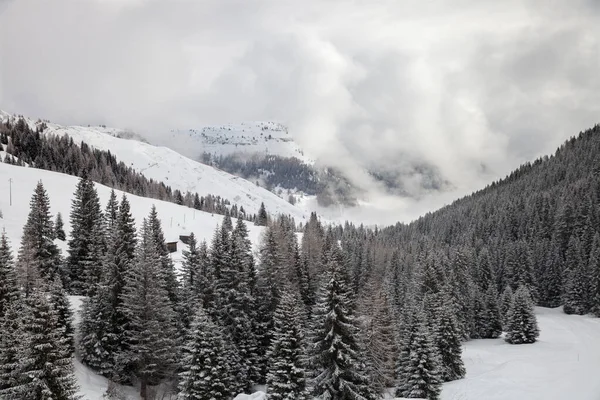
point(262, 138)
point(176, 220)
point(166, 165)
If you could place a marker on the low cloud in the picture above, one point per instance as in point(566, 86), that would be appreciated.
point(468, 89)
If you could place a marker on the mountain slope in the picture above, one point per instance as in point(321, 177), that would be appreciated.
point(177, 171)
point(176, 220)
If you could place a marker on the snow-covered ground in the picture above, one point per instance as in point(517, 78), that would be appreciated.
point(176, 220)
point(561, 365)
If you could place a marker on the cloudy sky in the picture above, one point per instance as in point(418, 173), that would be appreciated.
point(471, 88)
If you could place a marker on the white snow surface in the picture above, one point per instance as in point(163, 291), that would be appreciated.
point(561, 365)
point(176, 220)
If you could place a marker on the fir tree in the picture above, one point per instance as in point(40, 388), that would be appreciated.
point(86, 246)
point(261, 219)
point(167, 269)
point(505, 302)
point(9, 291)
point(521, 325)
point(205, 365)
point(576, 296)
point(286, 376)
point(337, 353)
point(448, 341)
point(420, 377)
point(103, 320)
point(59, 231)
point(10, 355)
point(45, 369)
point(150, 332)
point(60, 302)
point(492, 328)
point(38, 256)
point(111, 213)
point(193, 280)
point(594, 269)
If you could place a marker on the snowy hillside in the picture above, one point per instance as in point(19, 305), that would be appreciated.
point(267, 138)
point(177, 220)
point(179, 172)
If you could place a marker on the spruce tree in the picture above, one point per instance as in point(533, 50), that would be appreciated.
point(286, 376)
point(86, 246)
point(262, 218)
point(505, 302)
point(45, 369)
point(205, 366)
point(594, 269)
point(39, 257)
point(576, 285)
point(420, 376)
point(447, 339)
point(167, 269)
point(59, 231)
point(193, 281)
point(111, 213)
point(9, 290)
point(103, 320)
point(493, 318)
point(150, 332)
point(521, 324)
point(60, 302)
point(236, 304)
point(337, 352)
point(10, 354)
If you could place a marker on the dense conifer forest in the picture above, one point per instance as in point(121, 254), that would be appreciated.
point(344, 312)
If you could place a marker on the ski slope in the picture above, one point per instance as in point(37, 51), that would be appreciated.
point(176, 220)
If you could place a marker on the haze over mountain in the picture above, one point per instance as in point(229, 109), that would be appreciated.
point(466, 91)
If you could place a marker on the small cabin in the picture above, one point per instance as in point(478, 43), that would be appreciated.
point(185, 239)
point(172, 247)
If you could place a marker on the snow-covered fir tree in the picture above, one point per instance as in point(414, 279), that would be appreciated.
point(59, 228)
point(521, 324)
point(103, 320)
point(262, 218)
point(60, 302)
point(150, 333)
point(287, 357)
point(447, 339)
point(45, 369)
point(39, 257)
point(87, 240)
point(576, 284)
point(337, 356)
point(492, 327)
point(193, 280)
point(167, 269)
point(205, 366)
point(505, 303)
point(594, 269)
point(236, 305)
point(9, 290)
point(420, 374)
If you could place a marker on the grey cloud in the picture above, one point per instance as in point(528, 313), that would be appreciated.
point(466, 89)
